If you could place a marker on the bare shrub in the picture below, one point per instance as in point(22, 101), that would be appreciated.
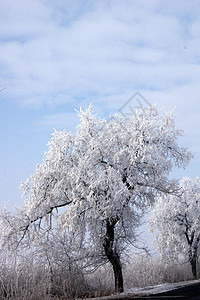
point(101, 282)
point(145, 270)
point(31, 277)
point(175, 272)
point(25, 277)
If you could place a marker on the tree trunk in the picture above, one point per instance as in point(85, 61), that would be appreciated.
point(113, 256)
point(193, 263)
point(193, 258)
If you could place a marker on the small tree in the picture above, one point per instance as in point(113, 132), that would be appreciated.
point(177, 219)
point(106, 176)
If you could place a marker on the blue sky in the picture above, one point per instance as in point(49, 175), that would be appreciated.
point(59, 55)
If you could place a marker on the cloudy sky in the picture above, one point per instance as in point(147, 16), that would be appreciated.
point(56, 56)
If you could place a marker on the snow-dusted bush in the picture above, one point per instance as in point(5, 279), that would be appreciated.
point(144, 270)
point(22, 278)
point(29, 277)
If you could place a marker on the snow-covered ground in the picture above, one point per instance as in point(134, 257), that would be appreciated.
point(150, 290)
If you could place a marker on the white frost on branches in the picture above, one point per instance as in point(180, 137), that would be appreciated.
point(177, 220)
point(106, 172)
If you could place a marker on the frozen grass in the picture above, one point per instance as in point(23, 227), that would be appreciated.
point(144, 270)
point(28, 277)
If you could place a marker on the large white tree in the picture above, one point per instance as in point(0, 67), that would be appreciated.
point(177, 220)
point(104, 177)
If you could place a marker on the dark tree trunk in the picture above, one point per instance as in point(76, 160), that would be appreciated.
point(113, 256)
point(193, 252)
point(193, 258)
point(194, 268)
point(193, 262)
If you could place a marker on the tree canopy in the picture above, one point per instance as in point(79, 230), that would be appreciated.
point(104, 177)
point(177, 219)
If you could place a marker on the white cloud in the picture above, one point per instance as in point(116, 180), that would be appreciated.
point(24, 19)
point(96, 47)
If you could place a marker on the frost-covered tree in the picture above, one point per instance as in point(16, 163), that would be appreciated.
point(104, 177)
point(177, 220)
